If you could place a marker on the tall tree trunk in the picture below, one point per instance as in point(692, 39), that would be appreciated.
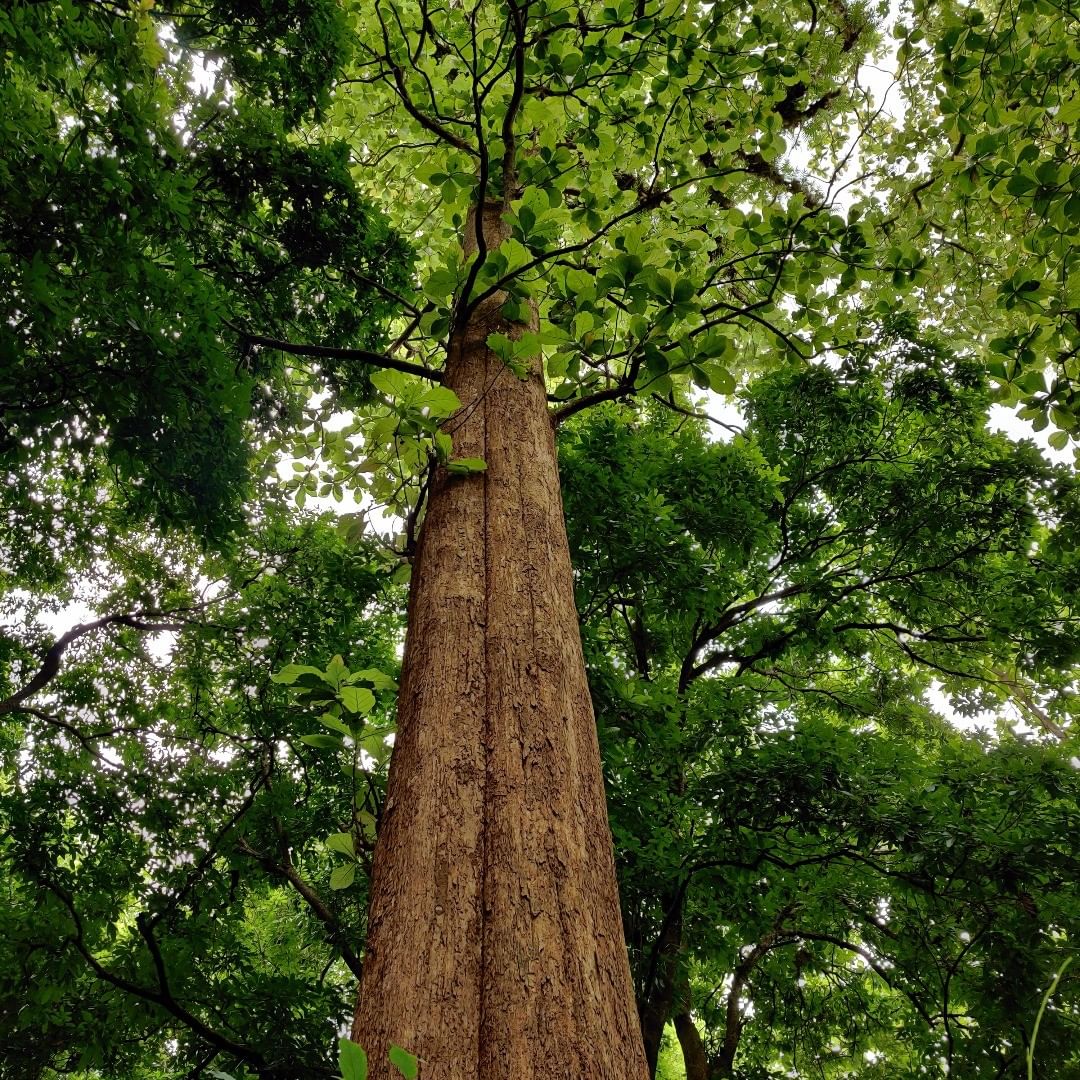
point(495, 947)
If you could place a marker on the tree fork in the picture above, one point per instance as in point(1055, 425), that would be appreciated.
point(495, 944)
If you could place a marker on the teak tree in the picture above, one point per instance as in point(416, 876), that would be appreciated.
point(494, 940)
point(607, 187)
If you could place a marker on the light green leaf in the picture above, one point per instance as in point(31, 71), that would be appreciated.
point(721, 381)
point(341, 842)
point(404, 1062)
point(440, 285)
point(391, 383)
point(322, 742)
point(352, 1061)
point(336, 671)
point(377, 678)
point(464, 466)
point(439, 401)
point(334, 724)
point(357, 699)
point(291, 672)
point(374, 744)
point(342, 876)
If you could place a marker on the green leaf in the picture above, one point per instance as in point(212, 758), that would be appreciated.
point(721, 381)
point(465, 466)
point(334, 724)
point(404, 1062)
point(322, 742)
point(391, 383)
point(342, 876)
point(291, 672)
point(357, 699)
point(438, 401)
point(374, 744)
point(683, 291)
point(377, 678)
point(341, 842)
point(440, 285)
point(352, 1061)
point(336, 671)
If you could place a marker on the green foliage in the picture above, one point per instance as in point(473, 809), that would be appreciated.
point(763, 621)
point(352, 1061)
point(811, 855)
point(175, 802)
point(1004, 80)
point(153, 211)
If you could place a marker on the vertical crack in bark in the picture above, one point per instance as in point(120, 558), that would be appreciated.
point(485, 821)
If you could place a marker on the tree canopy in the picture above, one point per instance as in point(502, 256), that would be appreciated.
point(235, 240)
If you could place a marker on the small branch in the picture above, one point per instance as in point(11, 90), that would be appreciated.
point(209, 855)
point(289, 872)
point(643, 205)
point(871, 962)
point(428, 123)
point(364, 356)
point(86, 741)
point(1023, 697)
point(50, 666)
point(161, 997)
point(693, 414)
point(758, 166)
point(733, 1021)
point(510, 115)
point(611, 393)
point(623, 388)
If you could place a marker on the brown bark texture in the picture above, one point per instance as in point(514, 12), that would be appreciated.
point(495, 944)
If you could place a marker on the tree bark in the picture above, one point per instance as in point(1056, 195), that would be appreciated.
point(495, 945)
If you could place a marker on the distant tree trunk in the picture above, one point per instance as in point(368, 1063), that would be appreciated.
point(693, 1049)
point(495, 947)
point(660, 980)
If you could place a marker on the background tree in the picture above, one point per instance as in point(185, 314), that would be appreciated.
point(175, 845)
point(694, 648)
point(156, 210)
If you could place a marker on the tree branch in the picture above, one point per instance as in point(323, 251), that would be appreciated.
point(50, 666)
point(289, 872)
point(428, 123)
point(162, 997)
point(364, 356)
